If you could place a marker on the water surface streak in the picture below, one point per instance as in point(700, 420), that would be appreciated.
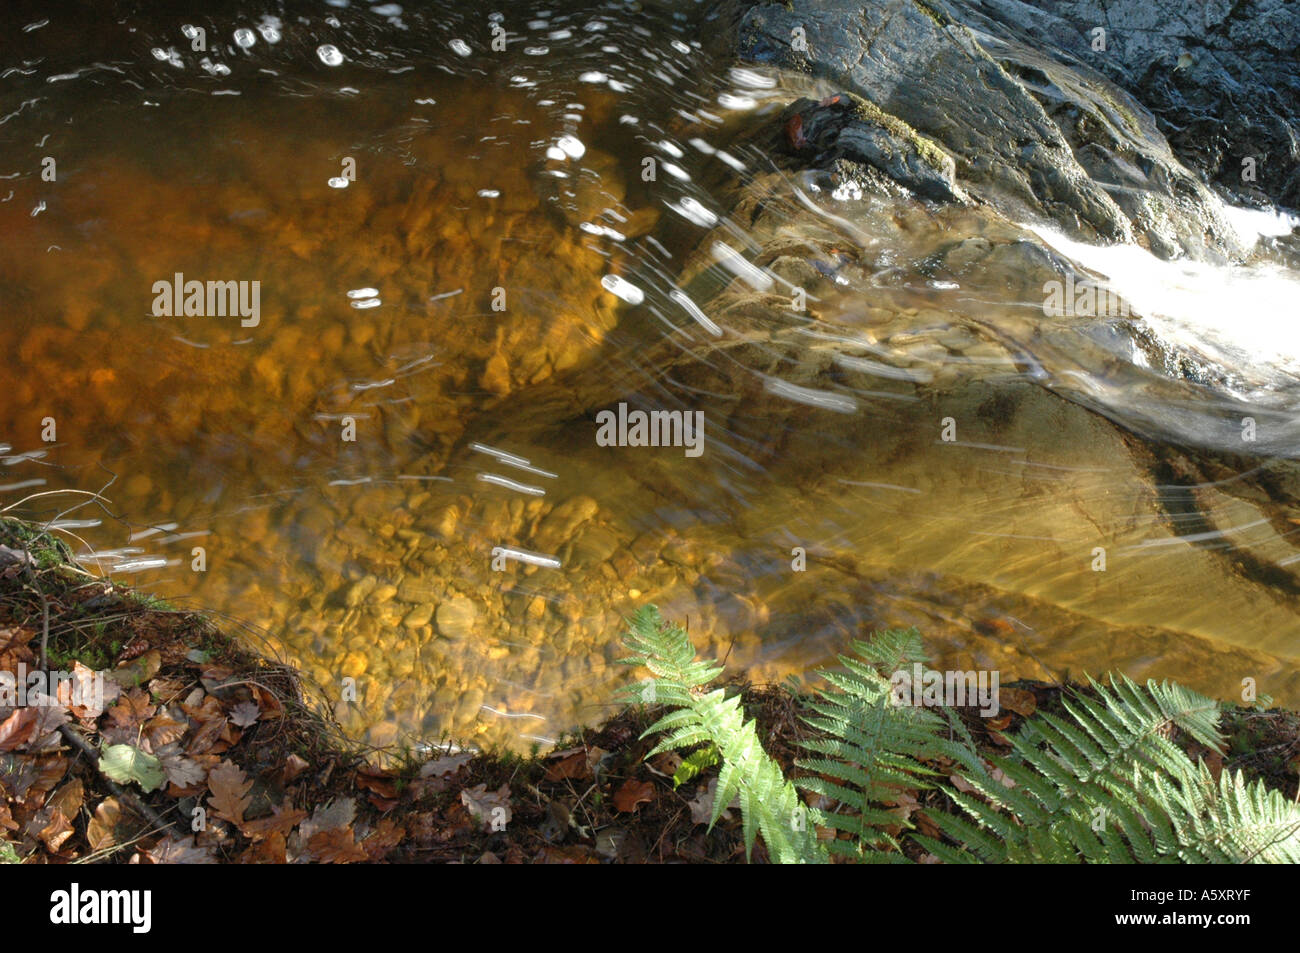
point(392, 468)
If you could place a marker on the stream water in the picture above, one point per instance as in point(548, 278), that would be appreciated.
point(451, 260)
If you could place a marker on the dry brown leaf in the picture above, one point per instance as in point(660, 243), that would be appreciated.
point(245, 714)
point(56, 830)
point(180, 770)
point(18, 728)
point(164, 728)
point(68, 798)
point(109, 826)
point(175, 850)
point(229, 789)
point(386, 835)
point(336, 846)
point(489, 808)
point(632, 794)
point(573, 765)
point(281, 820)
point(293, 766)
point(269, 850)
point(1018, 700)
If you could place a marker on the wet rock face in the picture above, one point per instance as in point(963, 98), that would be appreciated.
point(842, 127)
point(1038, 137)
point(1223, 77)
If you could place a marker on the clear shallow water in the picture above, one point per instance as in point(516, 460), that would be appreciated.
point(514, 179)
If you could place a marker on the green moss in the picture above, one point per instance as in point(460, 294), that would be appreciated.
point(939, 19)
point(929, 150)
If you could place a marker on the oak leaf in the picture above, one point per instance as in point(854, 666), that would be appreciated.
point(229, 789)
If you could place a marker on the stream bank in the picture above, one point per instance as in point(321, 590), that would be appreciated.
point(238, 761)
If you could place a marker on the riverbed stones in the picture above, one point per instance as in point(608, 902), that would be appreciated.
point(418, 617)
point(455, 618)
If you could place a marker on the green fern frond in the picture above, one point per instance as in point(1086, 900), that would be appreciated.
point(769, 804)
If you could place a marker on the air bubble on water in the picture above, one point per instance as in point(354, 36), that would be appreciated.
point(628, 120)
point(691, 210)
point(559, 34)
point(732, 101)
point(671, 148)
point(189, 31)
point(428, 101)
point(571, 146)
point(609, 49)
point(730, 160)
point(269, 33)
point(681, 47)
point(676, 171)
point(536, 50)
point(621, 288)
point(703, 146)
point(489, 194)
point(595, 26)
point(329, 54)
point(364, 293)
point(367, 303)
point(593, 76)
point(338, 182)
point(538, 24)
point(341, 4)
point(556, 153)
point(691, 308)
point(244, 38)
point(460, 47)
point(619, 87)
point(748, 77)
point(741, 267)
point(216, 69)
point(387, 10)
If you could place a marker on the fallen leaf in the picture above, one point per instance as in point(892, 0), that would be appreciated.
point(574, 766)
point(180, 770)
point(702, 805)
point(386, 835)
point(110, 825)
point(245, 714)
point(56, 831)
point(175, 850)
point(490, 808)
point(632, 794)
point(18, 728)
point(229, 789)
point(281, 820)
point(138, 671)
point(293, 766)
point(327, 817)
point(337, 845)
point(1018, 700)
point(127, 763)
point(68, 798)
